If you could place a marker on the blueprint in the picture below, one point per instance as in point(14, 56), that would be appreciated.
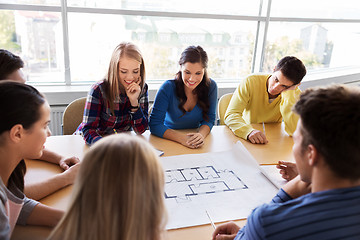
point(227, 184)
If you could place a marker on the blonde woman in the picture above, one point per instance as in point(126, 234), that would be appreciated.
point(119, 193)
point(119, 102)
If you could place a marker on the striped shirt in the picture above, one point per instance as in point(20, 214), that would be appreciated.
point(98, 121)
point(331, 214)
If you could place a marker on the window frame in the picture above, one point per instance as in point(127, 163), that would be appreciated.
point(263, 20)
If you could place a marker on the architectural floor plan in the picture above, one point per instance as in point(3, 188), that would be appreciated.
point(228, 185)
point(181, 184)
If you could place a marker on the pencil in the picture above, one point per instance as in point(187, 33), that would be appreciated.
point(115, 131)
point(264, 128)
point(211, 221)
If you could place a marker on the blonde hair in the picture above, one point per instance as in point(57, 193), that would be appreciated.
point(112, 80)
point(119, 193)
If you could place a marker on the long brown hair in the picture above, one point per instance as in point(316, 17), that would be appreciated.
point(119, 193)
point(194, 54)
point(113, 86)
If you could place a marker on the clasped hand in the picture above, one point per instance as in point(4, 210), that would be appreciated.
point(195, 140)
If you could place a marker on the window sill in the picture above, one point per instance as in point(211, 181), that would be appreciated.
point(63, 95)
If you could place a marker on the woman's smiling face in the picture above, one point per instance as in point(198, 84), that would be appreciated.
point(192, 74)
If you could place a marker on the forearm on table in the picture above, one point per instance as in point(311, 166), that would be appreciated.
point(238, 125)
point(234, 116)
point(175, 136)
point(50, 156)
point(91, 135)
point(39, 190)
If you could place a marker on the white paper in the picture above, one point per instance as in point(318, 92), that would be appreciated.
point(271, 172)
point(227, 184)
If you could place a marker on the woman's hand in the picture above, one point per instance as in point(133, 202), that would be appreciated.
point(133, 91)
point(66, 163)
point(195, 140)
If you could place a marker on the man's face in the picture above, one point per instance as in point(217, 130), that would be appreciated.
point(277, 83)
point(301, 155)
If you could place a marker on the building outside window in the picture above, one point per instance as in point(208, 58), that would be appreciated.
point(70, 42)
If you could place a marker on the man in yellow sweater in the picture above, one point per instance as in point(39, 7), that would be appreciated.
point(266, 98)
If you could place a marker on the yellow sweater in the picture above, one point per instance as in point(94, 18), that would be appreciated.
point(250, 104)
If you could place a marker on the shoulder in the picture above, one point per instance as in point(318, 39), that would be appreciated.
point(257, 77)
point(213, 84)
point(98, 85)
point(253, 81)
point(98, 88)
point(168, 85)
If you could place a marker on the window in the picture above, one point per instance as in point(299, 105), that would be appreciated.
point(36, 37)
point(72, 44)
point(319, 45)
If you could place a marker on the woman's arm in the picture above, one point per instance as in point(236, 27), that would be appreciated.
point(140, 117)
point(53, 157)
point(213, 100)
point(92, 115)
point(160, 107)
point(42, 189)
point(43, 215)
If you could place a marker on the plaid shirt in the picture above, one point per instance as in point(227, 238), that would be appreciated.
point(98, 121)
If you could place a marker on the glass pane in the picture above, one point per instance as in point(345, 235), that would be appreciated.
point(34, 2)
point(229, 44)
point(37, 38)
point(349, 9)
point(325, 45)
point(231, 7)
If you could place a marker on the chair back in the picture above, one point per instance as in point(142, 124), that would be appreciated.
point(73, 115)
point(222, 106)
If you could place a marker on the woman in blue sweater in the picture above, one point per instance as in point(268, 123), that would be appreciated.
point(188, 101)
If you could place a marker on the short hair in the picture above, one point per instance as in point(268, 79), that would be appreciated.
point(292, 68)
point(9, 63)
point(112, 80)
point(330, 118)
point(118, 193)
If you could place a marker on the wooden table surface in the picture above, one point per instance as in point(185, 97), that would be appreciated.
point(220, 139)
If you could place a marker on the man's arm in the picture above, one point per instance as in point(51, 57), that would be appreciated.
point(288, 99)
point(234, 113)
point(296, 187)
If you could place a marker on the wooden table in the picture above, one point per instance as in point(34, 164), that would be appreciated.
point(220, 139)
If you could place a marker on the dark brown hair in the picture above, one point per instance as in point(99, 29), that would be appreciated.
point(9, 63)
point(292, 68)
point(331, 122)
point(194, 54)
point(19, 104)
